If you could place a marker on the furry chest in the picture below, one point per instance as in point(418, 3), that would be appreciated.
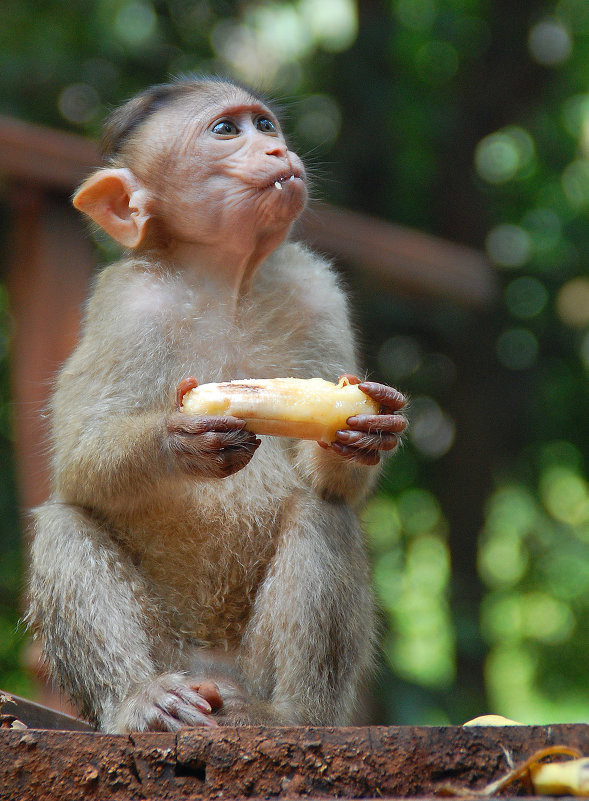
point(206, 585)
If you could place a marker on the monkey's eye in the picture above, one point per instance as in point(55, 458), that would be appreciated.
point(266, 126)
point(225, 128)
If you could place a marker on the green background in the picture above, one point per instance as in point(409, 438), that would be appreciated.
point(466, 119)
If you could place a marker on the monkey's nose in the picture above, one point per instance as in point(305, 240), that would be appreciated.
point(277, 149)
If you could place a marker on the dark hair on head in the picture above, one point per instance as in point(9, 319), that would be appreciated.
point(123, 121)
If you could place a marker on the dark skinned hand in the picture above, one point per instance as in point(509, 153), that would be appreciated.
point(369, 434)
point(208, 445)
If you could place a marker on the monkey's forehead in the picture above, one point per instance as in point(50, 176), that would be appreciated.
point(191, 115)
point(215, 98)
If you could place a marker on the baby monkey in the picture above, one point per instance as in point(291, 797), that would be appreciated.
point(185, 572)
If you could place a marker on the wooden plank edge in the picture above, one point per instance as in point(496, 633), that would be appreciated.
point(16, 712)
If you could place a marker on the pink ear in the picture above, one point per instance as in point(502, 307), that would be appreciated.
point(115, 200)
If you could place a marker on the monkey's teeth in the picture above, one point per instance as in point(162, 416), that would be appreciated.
point(291, 178)
point(278, 185)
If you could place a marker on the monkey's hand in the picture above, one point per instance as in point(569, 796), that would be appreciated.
point(168, 703)
point(371, 433)
point(209, 446)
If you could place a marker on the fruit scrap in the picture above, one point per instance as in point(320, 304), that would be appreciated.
point(570, 777)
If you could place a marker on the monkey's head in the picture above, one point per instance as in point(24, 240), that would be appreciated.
point(195, 161)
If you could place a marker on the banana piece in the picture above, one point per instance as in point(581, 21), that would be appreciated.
point(561, 778)
point(305, 408)
point(492, 720)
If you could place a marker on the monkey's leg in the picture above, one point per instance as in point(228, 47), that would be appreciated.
point(310, 641)
point(98, 629)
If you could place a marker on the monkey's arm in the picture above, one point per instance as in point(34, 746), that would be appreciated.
point(91, 610)
point(360, 446)
point(332, 476)
point(125, 462)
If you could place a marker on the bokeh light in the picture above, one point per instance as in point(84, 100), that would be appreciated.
point(575, 182)
point(432, 430)
point(502, 561)
point(508, 245)
point(411, 578)
point(565, 494)
point(400, 357)
point(516, 616)
point(503, 155)
point(550, 42)
point(135, 22)
point(544, 226)
point(266, 46)
point(526, 297)
point(319, 121)
point(79, 103)
point(333, 23)
point(572, 302)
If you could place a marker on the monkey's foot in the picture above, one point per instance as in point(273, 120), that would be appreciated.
point(167, 703)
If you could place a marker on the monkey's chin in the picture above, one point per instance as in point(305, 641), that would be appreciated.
point(288, 197)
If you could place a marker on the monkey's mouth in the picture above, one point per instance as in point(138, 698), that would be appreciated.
point(283, 179)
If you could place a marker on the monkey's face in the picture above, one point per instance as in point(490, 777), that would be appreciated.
point(229, 170)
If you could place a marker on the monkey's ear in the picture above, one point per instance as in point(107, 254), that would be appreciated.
point(117, 202)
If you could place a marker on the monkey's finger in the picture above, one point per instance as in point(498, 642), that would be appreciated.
point(187, 695)
point(170, 715)
point(157, 719)
point(189, 708)
point(182, 716)
point(372, 423)
point(381, 441)
point(218, 424)
point(214, 455)
point(231, 460)
point(183, 387)
point(388, 397)
point(352, 453)
point(182, 706)
point(225, 443)
point(182, 423)
point(203, 442)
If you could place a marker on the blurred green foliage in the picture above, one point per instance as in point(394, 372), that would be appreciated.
point(468, 119)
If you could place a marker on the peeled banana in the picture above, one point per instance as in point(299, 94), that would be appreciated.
point(561, 778)
point(305, 408)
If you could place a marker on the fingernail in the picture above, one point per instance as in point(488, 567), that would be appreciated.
point(342, 449)
point(347, 436)
point(203, 704)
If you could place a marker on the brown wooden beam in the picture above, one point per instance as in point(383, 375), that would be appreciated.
point(19, 713)
point(50, 262)
point(53, 159)
point(256, 762)
point(397, 258)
